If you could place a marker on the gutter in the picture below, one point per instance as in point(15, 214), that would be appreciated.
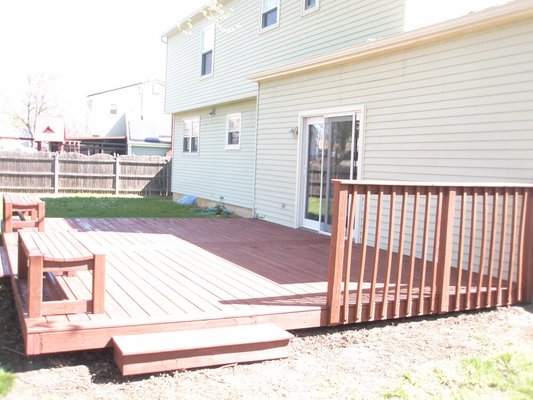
point(518, 10)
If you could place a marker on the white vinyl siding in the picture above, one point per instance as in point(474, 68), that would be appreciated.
point(245, 50)
point(216, 172)
point(460, 110)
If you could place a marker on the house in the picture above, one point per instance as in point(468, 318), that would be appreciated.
point(264, 116)
point(129, 119)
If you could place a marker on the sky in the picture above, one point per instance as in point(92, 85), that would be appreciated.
point(95, 45)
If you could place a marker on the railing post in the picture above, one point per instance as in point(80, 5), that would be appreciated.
point(527, 267)
point(117, 174)
point(336, 251)
point(445, 249)
point(56, 172)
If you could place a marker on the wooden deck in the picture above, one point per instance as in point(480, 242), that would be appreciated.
point(180, 274)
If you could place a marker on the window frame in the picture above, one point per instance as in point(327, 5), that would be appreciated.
point(263, 12)
point(204, 51)
point(113, 109)
point(309, 10)
point(237, 145)
point(189, 152)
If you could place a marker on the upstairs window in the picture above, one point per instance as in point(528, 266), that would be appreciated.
point(310, 5)
point(233, 131)
point(269, 13)
point(191, 134)
point(113, 109)
point(208, 45)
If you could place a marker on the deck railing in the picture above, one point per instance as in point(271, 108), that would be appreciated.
point(403, 249)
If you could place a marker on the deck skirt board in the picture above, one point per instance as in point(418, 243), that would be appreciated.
point(159, 352)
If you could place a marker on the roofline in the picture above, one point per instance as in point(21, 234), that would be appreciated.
point(125, 87)
point(176, 27)
point(489, 18)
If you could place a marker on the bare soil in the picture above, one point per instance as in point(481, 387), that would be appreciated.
point(350, 362)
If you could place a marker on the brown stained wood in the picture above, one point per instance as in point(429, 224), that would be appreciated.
point(525, 285)
point(481, 268)
point(412, 253)
point(492, 245)
point(348, 256)
point(445, 249)
point(472, 247)
point(435, 294)
point(377, 245)
point(503, 237)
point(30, 208)
point(425, 241)
point(336, 259)
point(462, 223)
point(362, 262)
point(390, 251)
point(405, 195)
point(512, 255)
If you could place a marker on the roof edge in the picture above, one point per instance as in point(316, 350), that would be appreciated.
point(476, 21)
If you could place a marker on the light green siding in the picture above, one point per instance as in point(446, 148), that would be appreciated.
point(460, 110)
point(245, 50)
point(215, 171)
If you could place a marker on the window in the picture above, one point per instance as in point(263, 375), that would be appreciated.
point(208, 44)
point(310, 5)
point(113, 109)
point(269, 13)
point(233, 131)
point(191, 133)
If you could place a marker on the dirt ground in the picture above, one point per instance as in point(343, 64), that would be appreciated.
point(354, 362)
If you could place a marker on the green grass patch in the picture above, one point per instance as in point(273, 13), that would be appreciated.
point(117, 207)
point(7, 380)
point(506, 376)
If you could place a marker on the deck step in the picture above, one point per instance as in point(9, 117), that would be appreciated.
point(168, 351)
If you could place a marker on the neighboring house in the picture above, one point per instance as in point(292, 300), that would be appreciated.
point(266, 114)
point(132, 117)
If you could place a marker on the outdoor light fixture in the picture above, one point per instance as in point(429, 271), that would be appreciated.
point(213, 112)
point(294, 131)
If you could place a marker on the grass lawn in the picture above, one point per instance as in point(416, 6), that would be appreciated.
point(505, 376)
point(116, 207)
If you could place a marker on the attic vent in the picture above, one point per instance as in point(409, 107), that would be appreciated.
point(48, 130)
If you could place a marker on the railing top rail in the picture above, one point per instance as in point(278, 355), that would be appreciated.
point(350, 182)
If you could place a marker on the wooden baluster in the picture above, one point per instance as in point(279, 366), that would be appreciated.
point(436, 252)
point(472, 251)
point(377, 245)
point(481, 269)
point(512, 255)
point(397, 295)
point(494, 227)
point(445, 248)
point(425, 242)
point(458, 282)
point(362, 263)
point(336, 251)
point(412, 258)
point(348, 255)
point(390, 252)
point(503, 236)
point(527, 259)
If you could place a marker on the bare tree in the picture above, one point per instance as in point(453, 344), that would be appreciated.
point(215, 12)
point(36, 100)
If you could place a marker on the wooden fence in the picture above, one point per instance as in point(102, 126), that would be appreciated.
point(404, 249)
point(77, 173)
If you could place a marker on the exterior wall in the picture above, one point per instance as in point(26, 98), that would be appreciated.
point(460, 110)
point(140, 112)
point(237, 54)
point(215, 171)
point(146, 150)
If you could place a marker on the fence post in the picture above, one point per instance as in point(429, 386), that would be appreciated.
point(56, 172)
point(336, 250)
point(117, 174)
point(445, 249)
point(527, 267)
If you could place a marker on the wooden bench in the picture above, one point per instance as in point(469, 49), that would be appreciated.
point(59, 253)
point(168, 351)
point(29, 209)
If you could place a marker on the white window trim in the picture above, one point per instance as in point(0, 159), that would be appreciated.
point(233, 146)
point(111, 109)
point(202, 52)
point(273, 26)
point(312, 9)
point(190, 153)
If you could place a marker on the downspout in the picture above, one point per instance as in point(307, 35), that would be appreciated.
point(254, 186)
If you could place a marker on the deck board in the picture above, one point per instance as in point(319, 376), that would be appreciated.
point(173, 274)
